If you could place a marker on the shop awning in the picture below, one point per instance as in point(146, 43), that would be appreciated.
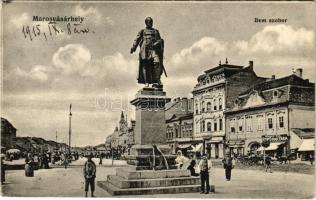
point(272, 147)
point(215, 140)
point(183, 146)
point(197, 148)
point(307, 145)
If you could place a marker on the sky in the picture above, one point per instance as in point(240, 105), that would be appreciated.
point(96, 73)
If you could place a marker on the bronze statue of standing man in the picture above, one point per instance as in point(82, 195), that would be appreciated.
point(150, 55)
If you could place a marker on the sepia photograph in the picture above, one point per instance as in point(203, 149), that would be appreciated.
point(163, 99)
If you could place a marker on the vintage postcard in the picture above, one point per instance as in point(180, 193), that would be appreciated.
point(158, 99)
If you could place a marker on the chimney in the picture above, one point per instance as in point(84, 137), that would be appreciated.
point(273, 77)
point(250, 64)
point(299, 72)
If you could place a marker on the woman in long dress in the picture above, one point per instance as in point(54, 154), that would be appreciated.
point(29, 164)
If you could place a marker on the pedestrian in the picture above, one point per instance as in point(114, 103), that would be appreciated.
point(191, 167)
point(29, 166)
point(40, 160)
point(180, 159)
point(205, 165)
point(100, 162)
point(311, 158)
point(36, 161)
point(89, 173)
point(2, 171)
point(228, 163)
point(45, 161)
point(64, 160)
point(268, 164)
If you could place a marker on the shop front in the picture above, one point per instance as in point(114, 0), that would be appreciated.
point(236, 147)
point(278, 145)
point(215, 147)
point(307, 150)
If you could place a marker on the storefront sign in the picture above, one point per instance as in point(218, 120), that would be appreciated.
point(275, 138)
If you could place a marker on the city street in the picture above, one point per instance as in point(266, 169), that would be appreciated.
point(60, 182)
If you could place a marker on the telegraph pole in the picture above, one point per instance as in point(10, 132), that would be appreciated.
point(56, 142)
point(69, 139)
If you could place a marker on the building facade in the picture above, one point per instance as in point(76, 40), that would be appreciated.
point(8, 134)
point(214, 93)
point(179, 123)
point(122, 136)
point(269, 111)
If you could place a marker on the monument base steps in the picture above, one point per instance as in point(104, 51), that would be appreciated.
point(129, 181)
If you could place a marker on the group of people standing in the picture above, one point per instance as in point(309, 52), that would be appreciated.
point(202, 167)
point(36, 161)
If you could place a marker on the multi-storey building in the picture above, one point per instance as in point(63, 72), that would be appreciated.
point(8, 134)
point(214, 93)
point(270, 111)
point(179, 117)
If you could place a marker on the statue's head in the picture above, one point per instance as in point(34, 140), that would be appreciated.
point(149, 22)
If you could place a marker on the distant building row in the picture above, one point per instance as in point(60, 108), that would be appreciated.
point(9, 140)
point(122, 136)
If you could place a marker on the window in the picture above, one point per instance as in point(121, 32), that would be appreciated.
point(176, 130)
point(202, 126)
point(209, 126)
point(281, 122)
point(275, 94)
point(209, 106)
point(232, 125)
point(249, 123)
point(270, 123)
point(203, 106)
point(220, 106)
point(215, 102)
point(240, 124)
point(260, 122)
point(220, 124)
point(215, 126)
point(196, 109)
point(197, 127)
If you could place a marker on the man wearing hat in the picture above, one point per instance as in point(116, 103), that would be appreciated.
point(89, 173)
point(205, 166)
point(228, 165)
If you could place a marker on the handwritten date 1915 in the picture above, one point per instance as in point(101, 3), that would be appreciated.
point(52, 30)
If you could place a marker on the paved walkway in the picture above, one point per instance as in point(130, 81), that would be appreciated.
point(69, 182)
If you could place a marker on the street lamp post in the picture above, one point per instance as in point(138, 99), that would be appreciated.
point(69, 140)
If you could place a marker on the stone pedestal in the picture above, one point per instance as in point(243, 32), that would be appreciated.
point(150, 116)
point(152, 168)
